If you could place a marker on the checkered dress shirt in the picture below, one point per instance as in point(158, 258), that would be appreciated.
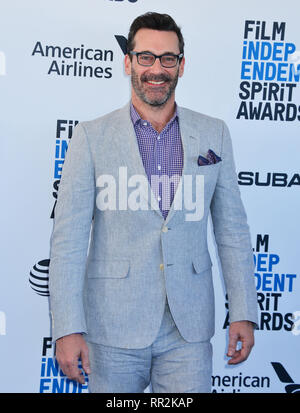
point(162, 156)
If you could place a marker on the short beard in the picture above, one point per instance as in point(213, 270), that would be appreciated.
point(137, 86)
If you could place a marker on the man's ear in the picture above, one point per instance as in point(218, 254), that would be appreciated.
point(181, 67)
point(127, 65)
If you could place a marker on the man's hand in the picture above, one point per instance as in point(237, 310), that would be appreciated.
point(68, 350)
point(240, 331)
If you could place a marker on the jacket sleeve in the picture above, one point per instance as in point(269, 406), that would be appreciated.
point(233, 240)
point(70, 237)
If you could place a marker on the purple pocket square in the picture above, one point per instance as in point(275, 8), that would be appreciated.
point(211, 158)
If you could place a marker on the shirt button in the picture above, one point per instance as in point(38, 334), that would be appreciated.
point(159, 167)
point(161, 267)
point(159, 198)
point(158, 138)
point(145, 123)
point(165, 229)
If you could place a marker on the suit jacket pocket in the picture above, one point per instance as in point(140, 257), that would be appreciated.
point(202, 262)
point(108, 269)
point(212, 167)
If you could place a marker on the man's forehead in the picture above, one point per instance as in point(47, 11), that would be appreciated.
point(156, 40)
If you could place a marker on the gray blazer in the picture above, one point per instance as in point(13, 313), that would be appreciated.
point(111, 270)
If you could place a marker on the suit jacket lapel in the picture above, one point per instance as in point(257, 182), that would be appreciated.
point(127, 143)
point(190, 149)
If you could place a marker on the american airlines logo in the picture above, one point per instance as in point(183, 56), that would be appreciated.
point(122, 41)
point(284, 377)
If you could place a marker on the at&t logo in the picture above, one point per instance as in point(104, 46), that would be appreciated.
point(39, 278)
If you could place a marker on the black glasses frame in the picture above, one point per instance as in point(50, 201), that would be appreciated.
point(178, 57)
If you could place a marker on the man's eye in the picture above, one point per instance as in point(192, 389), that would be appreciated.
point(169, 58)
point(146, 58)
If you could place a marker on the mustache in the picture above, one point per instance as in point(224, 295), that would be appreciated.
point(156, 78)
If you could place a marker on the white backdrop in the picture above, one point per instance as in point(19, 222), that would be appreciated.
point(40, 102)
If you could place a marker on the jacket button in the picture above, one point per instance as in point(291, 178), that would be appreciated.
point(161, 267)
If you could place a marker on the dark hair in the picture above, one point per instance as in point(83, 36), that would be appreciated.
point(154, 21)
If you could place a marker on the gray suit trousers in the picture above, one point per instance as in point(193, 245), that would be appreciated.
point(169, 365)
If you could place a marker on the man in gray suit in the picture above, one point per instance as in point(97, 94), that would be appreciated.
point(130, 273)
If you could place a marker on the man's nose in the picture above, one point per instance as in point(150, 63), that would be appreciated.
point(157, 67)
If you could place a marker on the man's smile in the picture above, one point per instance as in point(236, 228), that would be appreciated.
point(152, 82)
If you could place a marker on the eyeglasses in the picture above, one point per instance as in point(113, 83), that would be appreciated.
point(166, 60)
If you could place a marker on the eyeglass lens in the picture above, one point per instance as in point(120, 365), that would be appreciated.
point(149, 59)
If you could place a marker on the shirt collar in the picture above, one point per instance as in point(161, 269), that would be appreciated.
point(135, 117)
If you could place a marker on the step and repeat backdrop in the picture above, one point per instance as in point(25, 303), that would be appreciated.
point(61, 62)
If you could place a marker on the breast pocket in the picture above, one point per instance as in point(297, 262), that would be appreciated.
point(207, 169)
point(201, 262)
point(108, 268)
point(208, 176)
